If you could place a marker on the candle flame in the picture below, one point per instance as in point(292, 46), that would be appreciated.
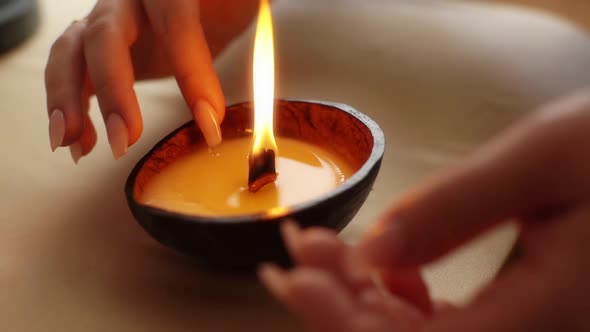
point(264, 73)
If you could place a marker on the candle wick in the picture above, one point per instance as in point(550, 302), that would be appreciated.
point(262, 170)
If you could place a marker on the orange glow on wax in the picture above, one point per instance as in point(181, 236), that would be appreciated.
point(209, 184)
point(264, 81)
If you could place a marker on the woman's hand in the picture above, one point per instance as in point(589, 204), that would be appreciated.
point(331, 290)
point(122, 41)
point(538, 172)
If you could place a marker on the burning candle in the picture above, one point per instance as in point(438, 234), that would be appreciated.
point(216, 184)
point(252, 174)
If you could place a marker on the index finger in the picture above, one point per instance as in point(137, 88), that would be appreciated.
point(178, 28)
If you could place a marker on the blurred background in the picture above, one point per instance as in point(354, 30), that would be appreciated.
point(577, 11)
point(441, 77)
point(18, 18)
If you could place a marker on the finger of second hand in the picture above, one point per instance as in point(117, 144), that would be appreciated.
point(393, 311)
point(504, 179)
point(409, 286)
point(317, 297)
point(321, 248)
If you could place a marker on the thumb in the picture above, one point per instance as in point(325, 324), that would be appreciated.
point(410, 286)
point(534, 165)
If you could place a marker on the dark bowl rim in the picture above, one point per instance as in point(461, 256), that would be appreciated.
point(375, 157)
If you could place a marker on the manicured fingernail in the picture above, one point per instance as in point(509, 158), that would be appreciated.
point(57, 129)
point(273, 278)
point(76, 152)
point(206, 119)
point(383, 245)
point(118, 135)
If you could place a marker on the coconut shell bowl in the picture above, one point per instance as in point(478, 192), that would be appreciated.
point(240, 243)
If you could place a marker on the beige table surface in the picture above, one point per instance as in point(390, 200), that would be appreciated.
point(440, 77)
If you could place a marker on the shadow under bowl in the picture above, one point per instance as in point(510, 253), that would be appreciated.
point(243, 242)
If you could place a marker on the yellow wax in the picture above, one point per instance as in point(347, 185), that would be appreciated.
point(215, 183)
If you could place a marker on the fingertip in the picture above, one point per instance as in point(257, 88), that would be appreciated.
point(319, 241)
point(76, 151)
point(135, 128)
point(57, 129)
point(290, 232)
point(64, 128)
point(274, 278)
point(118, 135)
point(320, 299)
point(319, 244)
point(132, 120)
point(383, 245)
point(410, 286)
point(85, 143)
point(208, 122)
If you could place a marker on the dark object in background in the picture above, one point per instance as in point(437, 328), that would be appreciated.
point(18, 20)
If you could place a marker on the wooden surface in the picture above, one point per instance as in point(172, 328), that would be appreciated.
point(440, 78)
